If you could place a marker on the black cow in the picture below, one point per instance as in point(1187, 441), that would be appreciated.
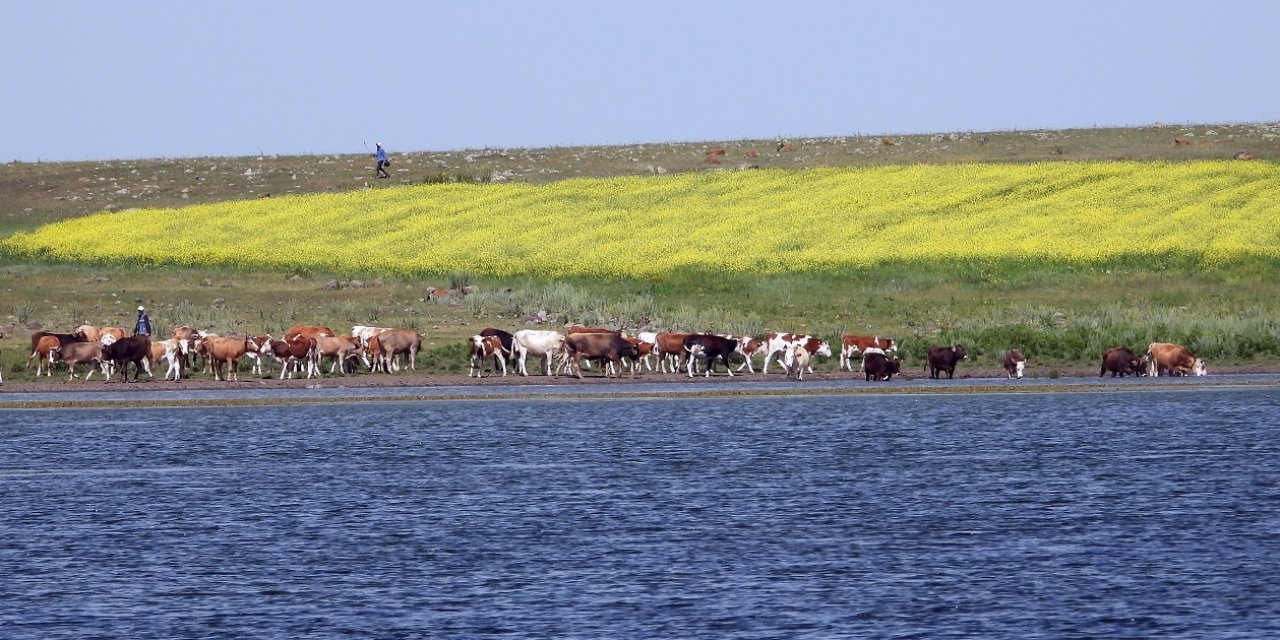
point(1120, 361)
point(709, 347)
point(135, 349)
point(945, 359)
point(878, 366)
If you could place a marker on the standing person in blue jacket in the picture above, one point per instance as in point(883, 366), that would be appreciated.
point(143, 326)
point(381, 157)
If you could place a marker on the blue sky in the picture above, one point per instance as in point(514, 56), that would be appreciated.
point(98, 80)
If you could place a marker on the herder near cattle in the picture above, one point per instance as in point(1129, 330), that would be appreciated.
point(143, 326)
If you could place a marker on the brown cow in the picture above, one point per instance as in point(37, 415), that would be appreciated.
point(607, 347)
point(395, 342)
point(669, 347)
point(579, 328)
point(75, 353)
point(945, 359)
point(307, 331)
point(229, 351)
point(1014, 363)
point(1120, 361)
point(291, 352)
point(852, 346)
point(133, 349)
point(1174, 359)
point(482, 347)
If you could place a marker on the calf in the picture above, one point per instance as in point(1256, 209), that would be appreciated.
point(482, 347)
point(878, 366)
point(710, 347)
point(1014, 363)
point(171, 350)
point(1174, 359)
point(294, 353)
point(797, 361)
point(852, 346)
point(1119, 361)
point(945, 359)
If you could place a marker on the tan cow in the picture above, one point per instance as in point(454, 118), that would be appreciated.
point(226, 350)
point(90, 332)
point(343, 350)
point(797, 362)
point(172, 350)
point(396, 342)
point(1174, 359)
point(43, 352)
point(307, 331)
point(115, 332)
point(75, 353)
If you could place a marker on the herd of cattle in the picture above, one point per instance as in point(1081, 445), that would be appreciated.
point(305, 347)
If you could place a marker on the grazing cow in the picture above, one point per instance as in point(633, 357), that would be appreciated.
point(1014, 363)
point(133, 349)
point(852, 346)
point(229, 351)
point(1120, 361)
point(797, 361)
point(669, 348)
point(710, 347)
point(945, 359)
point(365, 334)
point(396, 342)
point(607, 347)
point(344, 351)
point(75, 353)
point(482, 347)
point(40, 347)
point(1174, 359)
point(878, 366)
point(294, 353)
point(538, 342)
point(778, 346)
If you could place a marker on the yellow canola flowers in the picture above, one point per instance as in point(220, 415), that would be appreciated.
point(748, 222)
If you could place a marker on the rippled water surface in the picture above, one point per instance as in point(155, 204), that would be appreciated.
point(1127, 514)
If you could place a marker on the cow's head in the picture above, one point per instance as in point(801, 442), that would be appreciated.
point(961, 354)
point(1018, 368)
point(1198, 369)
point(824, 349)
point(895, 366)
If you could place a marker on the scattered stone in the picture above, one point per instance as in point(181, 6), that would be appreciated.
point(1243, 154)
point(470, 289)
point(32, 325)
point(102, 279)
point(294, 277)
point(206, 283)
point(331, 285)
point(356, 284)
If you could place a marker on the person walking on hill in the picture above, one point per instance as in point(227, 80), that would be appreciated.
point(143, 326)
point(381, 157)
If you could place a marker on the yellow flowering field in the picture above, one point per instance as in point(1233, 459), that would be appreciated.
point(815, 220)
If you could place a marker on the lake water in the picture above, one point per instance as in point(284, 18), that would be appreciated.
point(1125, 514)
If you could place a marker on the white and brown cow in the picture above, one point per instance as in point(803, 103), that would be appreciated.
point(779, 346)
point(1014, 363)
point(482, 347)
point(852, 346)
point(1173, 359)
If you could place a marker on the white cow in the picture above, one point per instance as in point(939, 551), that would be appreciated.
point(545, 344)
